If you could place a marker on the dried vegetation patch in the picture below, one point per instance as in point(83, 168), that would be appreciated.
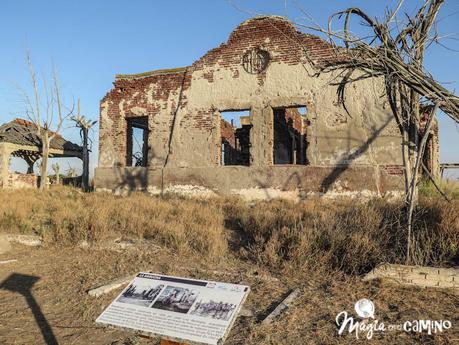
point(279, 235)
point(317, 246)
point(65, 217)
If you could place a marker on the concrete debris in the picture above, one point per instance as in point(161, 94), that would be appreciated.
point(247, 312)
point(281, 308)
point(119, 245)
point(124, 244)
point(262, 276)
point(422, 276)
point(115, 284)
point(83, 244)
point(26, 240)
point(7, 261)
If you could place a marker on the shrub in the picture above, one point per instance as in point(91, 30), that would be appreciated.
point(346, 236)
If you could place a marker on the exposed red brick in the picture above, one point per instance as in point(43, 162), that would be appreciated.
point(273, 34)
point(394, 169)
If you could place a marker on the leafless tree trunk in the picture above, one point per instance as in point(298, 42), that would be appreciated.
point(42, 115)
point(45, 142)
point(57, 171)
point(85, 125)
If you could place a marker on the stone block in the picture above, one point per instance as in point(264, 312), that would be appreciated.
point(450, 284)
point(417, 276)
point(425, 270)
point(27, 240)
point(424, 282)
point(445, 277)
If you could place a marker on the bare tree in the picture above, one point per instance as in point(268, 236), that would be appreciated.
point(56, 169)
point(71, 171)
point(85, 125)
point(394, 50)
point(41, 110)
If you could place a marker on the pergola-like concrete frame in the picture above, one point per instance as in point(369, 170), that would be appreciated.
point(30, 154)
point(19, 138)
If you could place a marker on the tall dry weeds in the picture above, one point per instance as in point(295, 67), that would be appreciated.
point(65, 216)
point(280, 235)
point(345, 236)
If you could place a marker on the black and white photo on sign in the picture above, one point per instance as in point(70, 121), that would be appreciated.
point(177, 299)
point(214, 309)
point(140, 294)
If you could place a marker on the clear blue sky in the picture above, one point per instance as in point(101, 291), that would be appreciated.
point(91, 41)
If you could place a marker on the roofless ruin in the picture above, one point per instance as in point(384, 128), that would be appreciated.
point(18, 139)
point(252, 117)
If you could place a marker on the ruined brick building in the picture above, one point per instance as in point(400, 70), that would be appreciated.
point(18, 138)
point(293, 139)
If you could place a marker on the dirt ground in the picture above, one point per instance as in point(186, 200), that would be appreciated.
point(44, 300)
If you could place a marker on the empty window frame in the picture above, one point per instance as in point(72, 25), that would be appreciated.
point(235, 137)
point(290, 135)
point(137, 141)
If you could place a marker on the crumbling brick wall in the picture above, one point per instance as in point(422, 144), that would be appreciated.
point(227, 130)
point(431, 157)
point(289, 137)
point(228, 141)
point(298, 121)
point(184, 104)
point(152, 96)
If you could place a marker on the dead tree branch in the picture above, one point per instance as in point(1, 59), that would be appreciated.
point(395, 52)
point(42, 115)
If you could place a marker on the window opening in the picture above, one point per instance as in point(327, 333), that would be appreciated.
point(290, 141)
point(235, 137)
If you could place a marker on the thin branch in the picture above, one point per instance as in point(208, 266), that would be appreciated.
point(394, 13)
point(36, 113)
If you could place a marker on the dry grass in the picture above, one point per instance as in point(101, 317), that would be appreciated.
point(317, 246)
point(64, 216)
point(346, 236)
point(67, 273)
point(279, 235)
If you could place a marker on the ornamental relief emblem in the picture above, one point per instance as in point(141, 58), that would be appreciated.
point(255, 60)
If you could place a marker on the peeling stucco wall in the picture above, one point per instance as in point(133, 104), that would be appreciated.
point(183, 106)
point(17, 180)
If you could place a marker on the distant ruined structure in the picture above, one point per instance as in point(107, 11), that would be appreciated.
point(18, 139)
point(294, 140)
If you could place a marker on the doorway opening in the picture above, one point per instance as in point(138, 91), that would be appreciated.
point(137, 142)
